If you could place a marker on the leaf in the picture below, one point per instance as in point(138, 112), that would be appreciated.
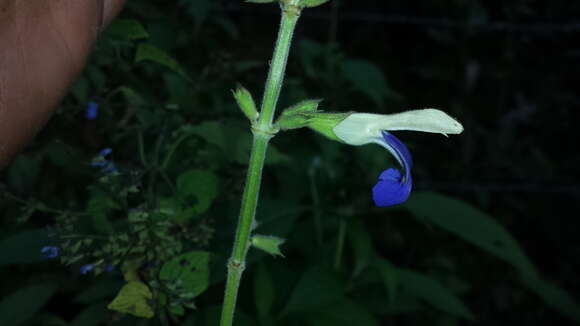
point(472, 225)
point(191, 268)
point(343, 313)
point(129, 29)
point(390, 277)
point(200, 184)
point(149, 52)
point(25, 303)
point(432, 292)
point(361, 246)
point(316, 288)
point(264, 290)
point(99, 291)
point(23, 247)
point(368, 79)
point(92, 315)
point(133, 299)
point(555, 297)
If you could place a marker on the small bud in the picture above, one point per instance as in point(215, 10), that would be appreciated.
point(306, 106)
point(246, 103)
point(268, 243)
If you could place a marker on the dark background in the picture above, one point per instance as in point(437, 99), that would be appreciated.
point(507, 70)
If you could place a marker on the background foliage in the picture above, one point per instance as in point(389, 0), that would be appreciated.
point(489, 236)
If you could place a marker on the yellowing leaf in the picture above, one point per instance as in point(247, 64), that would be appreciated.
point(133, 299)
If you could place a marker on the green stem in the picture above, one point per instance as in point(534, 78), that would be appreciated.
point(262, 131)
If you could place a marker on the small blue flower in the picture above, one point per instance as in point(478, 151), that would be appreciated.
point(105, 151)
point(86, 268)
point(50, 251)
point(109, 267)
point(393, 188)
point(92, 110)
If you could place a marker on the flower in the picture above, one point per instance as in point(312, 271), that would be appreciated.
point(50, 251)
point(86, 268)
point(364, 128)
point(108, 166)
point(92, 110)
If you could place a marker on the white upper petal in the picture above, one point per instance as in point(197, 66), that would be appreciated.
point(364, 128)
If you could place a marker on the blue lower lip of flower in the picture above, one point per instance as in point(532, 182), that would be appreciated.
point(92, 111)
point(391, 189)
point(86, 268)
point(50, 251)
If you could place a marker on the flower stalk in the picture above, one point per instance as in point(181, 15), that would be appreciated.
point(263, 131)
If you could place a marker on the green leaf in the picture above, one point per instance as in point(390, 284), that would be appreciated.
point(368, 79)
point(316, 288)
point(129, 29)
point(556, 297)
point(361, 246)
point(472, 225)
point(199, 184)
point(133, 299)
point(342, 313)
point(312, 3)
point(268, 243)
point(390, 277)
point(23, 247)
point(191, 268)
point(305, 106)
point(99, 291)
point(24, 303)
point(149, 52)
point(264, 291)
point(432, 292)
point(93, 315)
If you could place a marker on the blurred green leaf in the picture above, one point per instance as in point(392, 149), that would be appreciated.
point(342, 313)
point(149, 52)
point(362, 246)
point(92, 315)
point(133, 299)
point(24, 303)
point(200, 184)
point(98, 291)
point(389, 275)
point(312, 3)
point(368, 79)
point(129, 29)
point(316, 288)
point(472, 225)
point(22, 173)
point(555, 297)
point(191, 268)
point(432, 292)
point(264, 290)
point(23, 247)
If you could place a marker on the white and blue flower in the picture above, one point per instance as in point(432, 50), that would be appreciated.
point(358, 129)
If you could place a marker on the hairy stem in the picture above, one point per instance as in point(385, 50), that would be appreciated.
point(262, 131)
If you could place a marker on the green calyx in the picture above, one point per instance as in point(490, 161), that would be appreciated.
point(246, 103)
point(324, 123)
point(306, 114)
point(268, 243)
point(298, 115)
